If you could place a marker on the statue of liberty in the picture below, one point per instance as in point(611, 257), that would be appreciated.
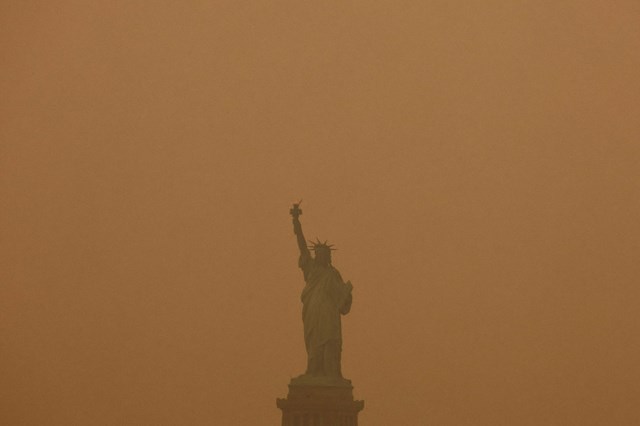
point(325, 298)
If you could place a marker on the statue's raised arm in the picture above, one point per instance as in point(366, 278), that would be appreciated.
point(297, 229)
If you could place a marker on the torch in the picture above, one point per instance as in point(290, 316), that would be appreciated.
point(296, 211)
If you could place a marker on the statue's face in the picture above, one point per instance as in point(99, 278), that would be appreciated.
point(323, 256)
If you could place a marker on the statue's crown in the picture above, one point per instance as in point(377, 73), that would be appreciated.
point(318, 245)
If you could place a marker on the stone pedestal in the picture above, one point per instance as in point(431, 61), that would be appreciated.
point(309, 404)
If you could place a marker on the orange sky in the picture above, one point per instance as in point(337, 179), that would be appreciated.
point(476, 163)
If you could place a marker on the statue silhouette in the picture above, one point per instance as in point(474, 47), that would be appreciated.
point(325, 298)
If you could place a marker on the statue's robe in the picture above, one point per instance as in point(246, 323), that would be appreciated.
point(325, 297)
